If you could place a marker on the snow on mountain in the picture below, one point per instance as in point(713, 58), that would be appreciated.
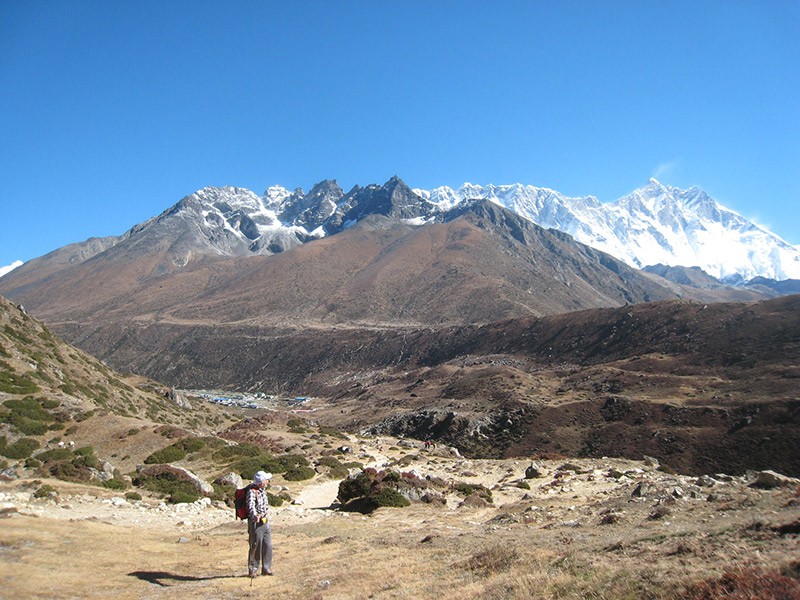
point(11, 267)
point(654, 224)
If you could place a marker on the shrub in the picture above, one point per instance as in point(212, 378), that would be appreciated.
point(84, 457)
point(338, 472)
point(191, 445)
point(329, 461)
point(183, 496)
point(133, 496)
point(232, 452)
point(168, 484)
point(115, 484)
point(274, 500)
point(12, 383)
point(44, 491)
point(467, 489)
point(355, 487)
point(55, 454)
point(743, 584)
point(299, 474)
point(22, 448)
point(388, 497)
point(166, 455)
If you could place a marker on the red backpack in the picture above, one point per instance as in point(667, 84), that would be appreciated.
point(240, 502)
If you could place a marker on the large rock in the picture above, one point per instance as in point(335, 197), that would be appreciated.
point(771, 479)
point(203, 487)
point(534, 471)
point(230, 479)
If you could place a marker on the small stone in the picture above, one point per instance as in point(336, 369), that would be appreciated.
point(183, 540)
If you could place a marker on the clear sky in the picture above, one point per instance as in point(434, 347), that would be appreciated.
point(111, 111)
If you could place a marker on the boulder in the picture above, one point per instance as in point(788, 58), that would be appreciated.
point(771, 479)
point(231, 479)
point(534, 471)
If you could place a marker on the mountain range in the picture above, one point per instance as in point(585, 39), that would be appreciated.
point(461, 321)
point(656, 224)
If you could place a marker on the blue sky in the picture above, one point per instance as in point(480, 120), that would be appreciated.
point(110, 112)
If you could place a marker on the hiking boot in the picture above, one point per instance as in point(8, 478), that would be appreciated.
point(266, 571)
point(252, 574)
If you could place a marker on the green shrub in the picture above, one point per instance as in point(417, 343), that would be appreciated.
point(115, 484)
point(299, 474)
point(28, 426)
point(22, 448)
point(233, 452)
point(338, 472)
point(55, 454)
point(168, 484)
point(84, 457)
point(191, 445)
point(67, 471)
point(183, 496)
point(355, 487)
point(133, 496)
point(44, 491)
point(274, 500)
point(389, 497)
point(32, 463)
point(11, 383)
point(329, 461)
point(166, 455)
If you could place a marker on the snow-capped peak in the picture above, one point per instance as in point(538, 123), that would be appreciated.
point(657, 223)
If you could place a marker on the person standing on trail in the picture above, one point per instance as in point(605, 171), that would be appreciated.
point(258, 529)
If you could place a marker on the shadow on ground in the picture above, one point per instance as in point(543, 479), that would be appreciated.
point(163, 578)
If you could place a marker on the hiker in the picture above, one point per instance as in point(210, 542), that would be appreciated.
point(258, 529)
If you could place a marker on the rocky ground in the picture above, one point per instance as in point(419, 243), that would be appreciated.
point(589, 528)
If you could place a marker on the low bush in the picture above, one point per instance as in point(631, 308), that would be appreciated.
point(371, 489)
point(388, 497)
point(744, 584)
point(166, 455)
point(169, 485)
point(115, 484)
point(299, 473)
point(45, 491)
point(238, 451)
point(133, 496)
point(22, 448)
point(467, 489)
point(55, 454)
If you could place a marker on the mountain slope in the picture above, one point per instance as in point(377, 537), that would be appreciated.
point(480, 263)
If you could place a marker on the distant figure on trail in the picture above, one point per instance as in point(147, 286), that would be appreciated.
point(258, 528)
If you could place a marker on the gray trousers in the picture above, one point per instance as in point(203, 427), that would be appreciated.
point(260, 537)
